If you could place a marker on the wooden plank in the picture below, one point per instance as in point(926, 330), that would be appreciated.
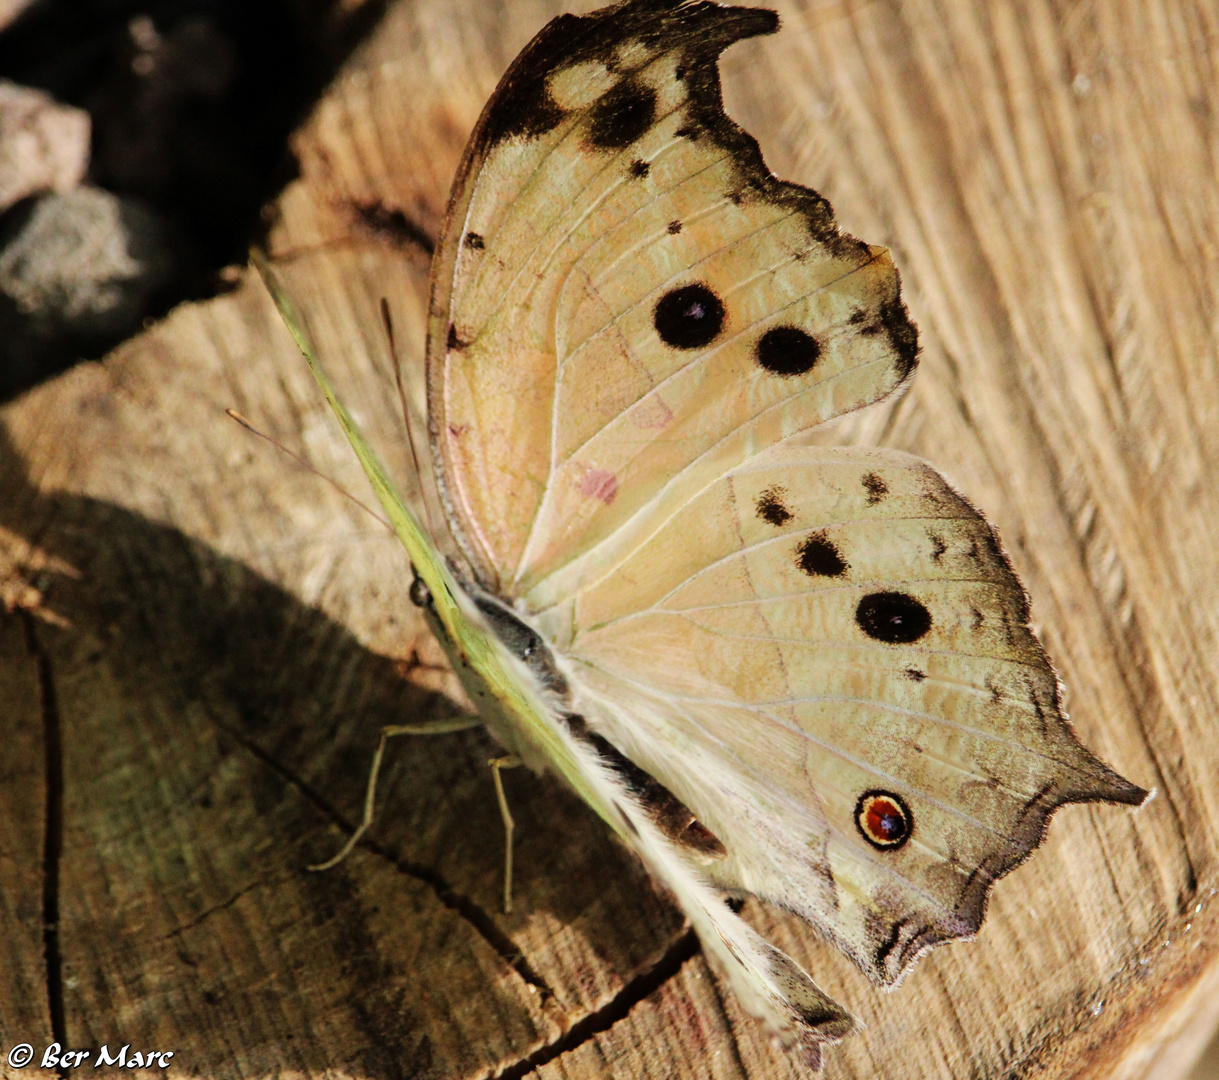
point(232, 633)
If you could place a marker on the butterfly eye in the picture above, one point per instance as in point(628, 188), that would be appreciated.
point(689, 317)
point(787, 351)
point(894, 617)
point(420, 595)
point(883, 819)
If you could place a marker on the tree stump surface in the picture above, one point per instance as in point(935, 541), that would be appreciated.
point(201, 640)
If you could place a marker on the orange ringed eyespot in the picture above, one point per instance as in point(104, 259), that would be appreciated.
point(883, 819)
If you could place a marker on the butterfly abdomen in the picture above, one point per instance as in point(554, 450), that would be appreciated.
point(669, 814)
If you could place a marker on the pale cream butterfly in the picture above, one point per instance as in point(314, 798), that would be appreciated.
point(773, 669)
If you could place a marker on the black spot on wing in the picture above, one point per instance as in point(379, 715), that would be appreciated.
point(893, 617)
point(689, 317)
point(938, 547)
point(787, 351)
point(474, 241)
point(640, 169)
point(453, 341)
point(771, 507)
point(674, 228)
point(817, 556)
point(914, 675)
point(621, 116)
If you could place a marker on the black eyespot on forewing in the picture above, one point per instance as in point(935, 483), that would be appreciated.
point(818, 557)
point(689, 317)
point(771, 507)
point(622, 115)
point(893, 617)
point(787, 351)
point(883, 819)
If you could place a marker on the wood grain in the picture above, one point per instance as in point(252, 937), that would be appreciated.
point(202, 639)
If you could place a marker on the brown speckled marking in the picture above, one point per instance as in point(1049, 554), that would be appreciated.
point(771, 507)
point(876, 488)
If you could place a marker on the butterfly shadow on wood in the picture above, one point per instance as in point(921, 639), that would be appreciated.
point(215, 736)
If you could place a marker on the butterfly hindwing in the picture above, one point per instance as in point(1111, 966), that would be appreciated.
point(627, 303)
point(826, 656)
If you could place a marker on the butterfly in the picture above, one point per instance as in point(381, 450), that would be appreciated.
point(773, 669)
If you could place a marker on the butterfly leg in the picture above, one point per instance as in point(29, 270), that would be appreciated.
point(428, 727)
point(497, 765)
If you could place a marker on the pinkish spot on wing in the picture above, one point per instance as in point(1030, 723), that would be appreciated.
point(458, 430)
point(651, 413)
point(599, 484)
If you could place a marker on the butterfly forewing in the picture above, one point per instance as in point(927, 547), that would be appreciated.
point(632, 304)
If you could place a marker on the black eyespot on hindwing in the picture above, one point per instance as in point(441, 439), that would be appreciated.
point(474, 241)
point(622, 115)
point(818, 557)
point(893, 617)
point(689, 317)
point(787, 351)
point(883, 819)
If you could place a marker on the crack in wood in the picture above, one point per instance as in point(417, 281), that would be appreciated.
point(224, 905)
point(52, 850)
point(466, 908)
point(643, 986)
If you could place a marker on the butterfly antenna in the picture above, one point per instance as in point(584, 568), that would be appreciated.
point(234, 414)
point(406, 412)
